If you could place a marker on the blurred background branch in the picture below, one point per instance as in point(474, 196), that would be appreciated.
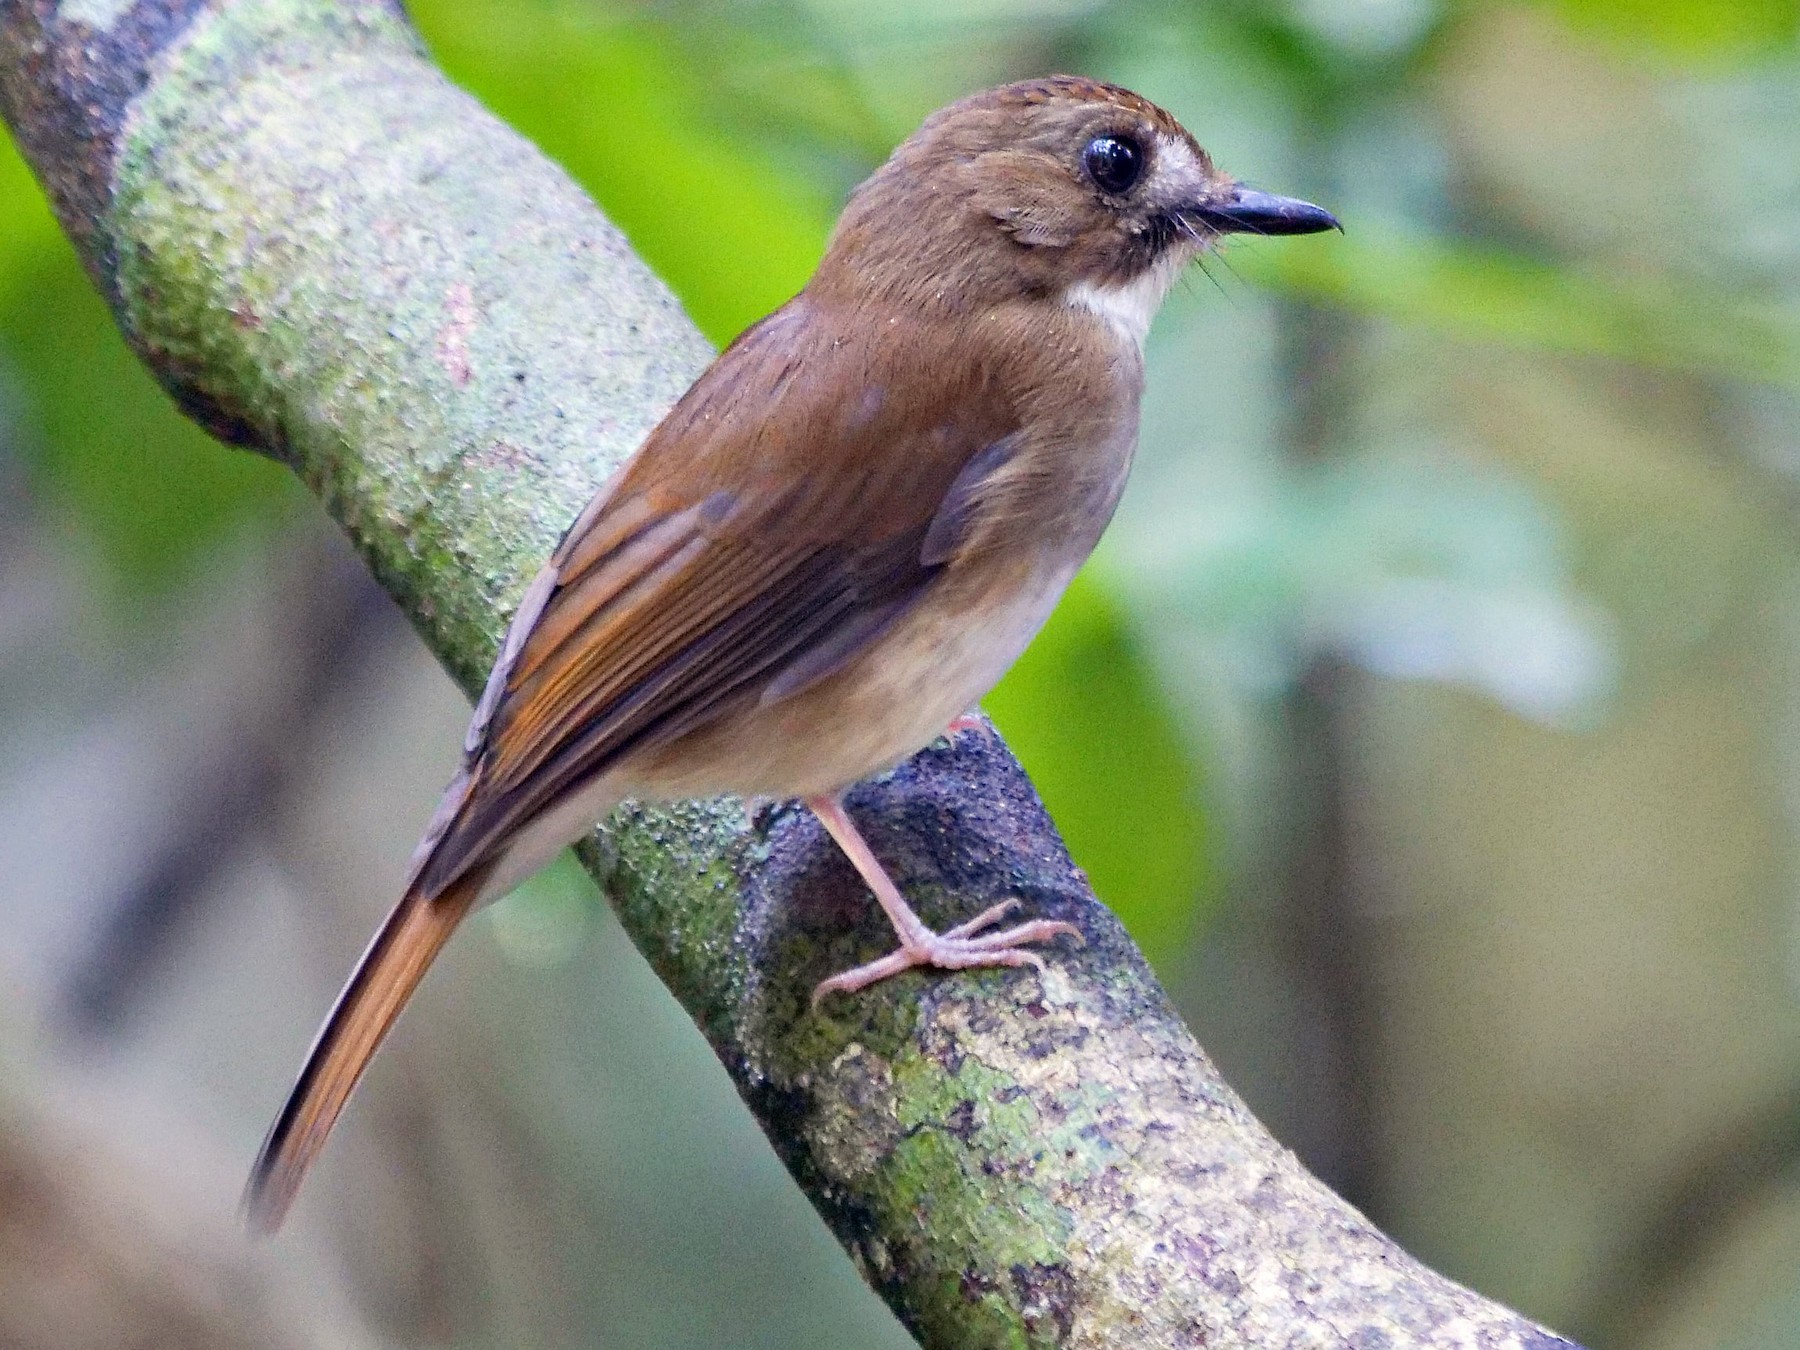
point(1495, 924)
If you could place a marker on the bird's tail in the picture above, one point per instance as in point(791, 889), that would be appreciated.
point(385, 978)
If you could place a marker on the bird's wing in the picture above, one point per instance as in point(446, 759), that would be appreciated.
point(771, 528)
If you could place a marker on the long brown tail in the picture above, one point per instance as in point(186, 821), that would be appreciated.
point(385, 978)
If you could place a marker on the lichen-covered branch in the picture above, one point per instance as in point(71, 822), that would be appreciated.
point(328, 253)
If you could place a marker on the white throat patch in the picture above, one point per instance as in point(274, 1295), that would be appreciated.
point(1128, 308)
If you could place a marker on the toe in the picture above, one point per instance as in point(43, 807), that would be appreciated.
point(1038, 930)
point(986, 919)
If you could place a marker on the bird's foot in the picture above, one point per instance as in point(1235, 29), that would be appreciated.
point(957, 948)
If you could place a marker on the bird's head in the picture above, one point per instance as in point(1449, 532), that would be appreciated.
point(1062, 188)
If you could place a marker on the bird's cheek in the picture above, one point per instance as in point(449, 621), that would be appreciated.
point(1039, 225)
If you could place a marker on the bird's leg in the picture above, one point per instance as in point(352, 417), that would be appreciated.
point(957, 949)
point(969, 721)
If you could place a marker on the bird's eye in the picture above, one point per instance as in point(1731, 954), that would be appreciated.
point(1114, 163)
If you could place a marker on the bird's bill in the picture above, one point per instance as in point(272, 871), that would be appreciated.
point(1242, 210)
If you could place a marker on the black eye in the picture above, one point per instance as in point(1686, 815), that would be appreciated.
point(1114, 163)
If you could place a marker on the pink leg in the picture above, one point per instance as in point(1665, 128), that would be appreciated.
point(957, 949)
point(969, 721)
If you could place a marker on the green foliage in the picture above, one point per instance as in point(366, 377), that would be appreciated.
point(1714, 32)
point(26, 225)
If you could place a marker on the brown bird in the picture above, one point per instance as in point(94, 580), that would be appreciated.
point(837, 541)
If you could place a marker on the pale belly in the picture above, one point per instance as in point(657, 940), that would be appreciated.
point(899, 695)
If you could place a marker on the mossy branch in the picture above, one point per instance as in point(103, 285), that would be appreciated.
point(328, 253)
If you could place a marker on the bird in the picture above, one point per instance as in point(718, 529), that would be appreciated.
point(838, 539)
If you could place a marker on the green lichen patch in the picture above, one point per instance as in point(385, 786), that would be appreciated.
point(674, 875)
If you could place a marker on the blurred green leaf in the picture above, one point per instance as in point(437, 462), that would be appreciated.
point(27, 226)
point(1487, 293)
point(1082, 711)
point(1711, 31)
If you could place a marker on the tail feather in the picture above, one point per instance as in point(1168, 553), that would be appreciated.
point(402, 951)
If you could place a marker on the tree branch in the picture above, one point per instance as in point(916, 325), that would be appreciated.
point(327, 252)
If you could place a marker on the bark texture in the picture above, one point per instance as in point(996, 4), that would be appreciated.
point(328, 253)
